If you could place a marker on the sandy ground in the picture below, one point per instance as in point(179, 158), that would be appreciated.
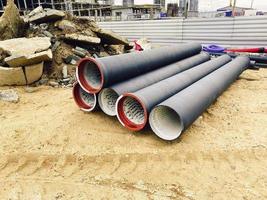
point(51, 150)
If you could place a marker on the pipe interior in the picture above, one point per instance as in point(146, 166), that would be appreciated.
point(107, 99)
point(92, 75)
point(165, 122)
point(133, 111)
point(87, 98)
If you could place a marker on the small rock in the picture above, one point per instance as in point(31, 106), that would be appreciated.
point(53, 83)
point(67, 25)
point(9, 95)
point(73, 62)
point(55, 46)
point(43, 81)
point(68, 59)
point(79, 53)
point(31, 89)
point(44, 26)
point(65, 71)
point(48, 34)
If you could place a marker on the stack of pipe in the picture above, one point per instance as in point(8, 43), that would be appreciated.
point(168, 87)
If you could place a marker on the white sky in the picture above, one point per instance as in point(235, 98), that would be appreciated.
point(211, 5)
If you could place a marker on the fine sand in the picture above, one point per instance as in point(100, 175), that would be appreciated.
point(52, 150)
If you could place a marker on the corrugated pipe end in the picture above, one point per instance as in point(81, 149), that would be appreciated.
point(131, 112)
point(107, 99)
point(90, 75)
point(165, 122)
point(85, 101)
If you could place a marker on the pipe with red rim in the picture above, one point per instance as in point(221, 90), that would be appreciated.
point(85, 101)
point(133, 108)
point(108, 96)
point(171, 117)
point(93, 74)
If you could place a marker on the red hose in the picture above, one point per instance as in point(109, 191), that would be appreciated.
point(249, 50)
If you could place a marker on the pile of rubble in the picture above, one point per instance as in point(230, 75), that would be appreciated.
point(51, 43)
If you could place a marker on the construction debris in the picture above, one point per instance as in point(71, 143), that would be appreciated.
point(33, 72)
point(12, 76)
point(82, 38)
point(40, 15)
point(9, 95)
point(53, 42)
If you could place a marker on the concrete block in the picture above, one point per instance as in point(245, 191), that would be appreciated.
point(12, 76)
point(34, 72)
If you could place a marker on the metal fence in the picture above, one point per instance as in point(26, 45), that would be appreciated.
point(238, 31)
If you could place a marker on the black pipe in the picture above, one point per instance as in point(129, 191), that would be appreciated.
point(256, 58)
point(108, 96)
point(174, 115)
point(133, 108)
point(95, 73)
point(85, 101)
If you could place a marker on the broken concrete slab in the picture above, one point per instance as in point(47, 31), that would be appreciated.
point(34, 72)
point(82, 38)
point(9, 95)
point(12, 76)
point(25, 46)
point(46, 15)
point(110, 37)
point(35, 11)
point(18, 60)
point(11, 24)
point(67, 26)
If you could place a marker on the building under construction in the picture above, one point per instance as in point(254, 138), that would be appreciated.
point(91, 8)
point(96, 9)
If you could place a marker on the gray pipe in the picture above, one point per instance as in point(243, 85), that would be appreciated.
point(133, 108)
point(95, 74)
point(174, 115)
point(85, 101)
point(108, 96)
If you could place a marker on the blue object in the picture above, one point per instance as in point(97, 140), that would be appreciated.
point(213, 48)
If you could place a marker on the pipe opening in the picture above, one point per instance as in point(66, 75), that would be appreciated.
point(92, 75)
point(89, 75)
point(131, 112)
point(107, 99)
point(86, 101)
point(165, 122)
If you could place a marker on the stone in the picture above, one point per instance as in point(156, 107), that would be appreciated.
point(67, 26)
point(79, 53)
point(31, 89)
point(44, 26)
point(55, 46)
point(35, 11)
point(110, 37)
point(65, 71)
point(11, 24)
point(46, 15)
point(34, 72)
point(25, 46)
point(12, 76)
point(82, 38)
point(48, 34)
point(53, 83)
point(20, 60)
point(9, 96)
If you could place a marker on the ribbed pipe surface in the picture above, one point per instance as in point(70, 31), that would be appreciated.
point(93, 74)
point(152, 95)
point(108, 96)
point(171, 117)
point(85, 101)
